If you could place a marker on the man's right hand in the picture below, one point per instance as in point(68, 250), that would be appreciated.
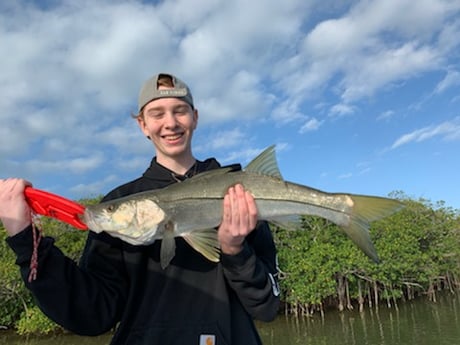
point(15, 213)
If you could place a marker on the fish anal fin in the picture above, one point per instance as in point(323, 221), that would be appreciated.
point(292, 222)
point(204, 242)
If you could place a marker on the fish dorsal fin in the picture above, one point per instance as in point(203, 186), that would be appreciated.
point(265, 164)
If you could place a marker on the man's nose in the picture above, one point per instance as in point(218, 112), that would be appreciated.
point(170, 120)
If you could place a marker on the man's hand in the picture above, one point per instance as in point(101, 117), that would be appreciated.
point(15, 213)
point(238, 220)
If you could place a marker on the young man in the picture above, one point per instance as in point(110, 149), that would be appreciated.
point(193, 300)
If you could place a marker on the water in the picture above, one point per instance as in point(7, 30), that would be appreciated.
point(418, 322)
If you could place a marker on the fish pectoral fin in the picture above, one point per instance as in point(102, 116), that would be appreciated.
point(168, 248)
point(204, 242)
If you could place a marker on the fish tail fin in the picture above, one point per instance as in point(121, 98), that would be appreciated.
point(204, 242)
point(365, 210)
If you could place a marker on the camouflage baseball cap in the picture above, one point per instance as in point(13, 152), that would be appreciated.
point(150, 91)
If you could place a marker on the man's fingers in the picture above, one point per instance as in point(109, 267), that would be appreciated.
point(252, 210)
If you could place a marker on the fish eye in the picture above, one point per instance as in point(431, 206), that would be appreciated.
point(111, 208)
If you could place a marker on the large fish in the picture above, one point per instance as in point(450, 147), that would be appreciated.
point(193, 209)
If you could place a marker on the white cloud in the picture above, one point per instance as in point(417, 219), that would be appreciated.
point(92, 56)
point(77, 165)
point(243, 156)
point(373, 46)
point(385, 67)
point(312, 124)
point(243, 99)
point(226, 139)
point(341, 109)
point(345, 176)
point(448, 130)
point(93, 189)
point(451, 79)
point(386, 115)
point(287, 111)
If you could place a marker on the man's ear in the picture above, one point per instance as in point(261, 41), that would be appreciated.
point(195, 118)
point(141, 124)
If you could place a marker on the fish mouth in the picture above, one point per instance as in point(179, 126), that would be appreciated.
point(87, 219)
point(91, 221)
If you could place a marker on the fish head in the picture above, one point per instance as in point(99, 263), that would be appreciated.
point(133, 220)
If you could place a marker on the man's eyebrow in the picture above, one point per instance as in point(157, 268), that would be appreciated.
point(162, 108)
point(155, 109)
point(181, 106)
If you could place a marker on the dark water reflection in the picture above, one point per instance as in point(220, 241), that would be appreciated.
point(419, 322)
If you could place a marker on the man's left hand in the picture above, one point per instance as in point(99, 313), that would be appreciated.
point(238, 220)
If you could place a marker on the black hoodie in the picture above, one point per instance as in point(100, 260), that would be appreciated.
point(193, 301)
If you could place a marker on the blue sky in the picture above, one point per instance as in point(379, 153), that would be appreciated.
point(359, 96)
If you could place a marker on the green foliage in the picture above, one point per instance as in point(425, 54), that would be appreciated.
point(33, 321)
point(309, 260)
point(14, 297)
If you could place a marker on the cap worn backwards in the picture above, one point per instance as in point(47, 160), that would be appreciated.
point(150, 91)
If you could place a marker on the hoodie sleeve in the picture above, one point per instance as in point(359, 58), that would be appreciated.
point(81, 301)
point(253, 274)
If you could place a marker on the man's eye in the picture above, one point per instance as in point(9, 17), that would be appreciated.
point(156, 115)
point(181, 110)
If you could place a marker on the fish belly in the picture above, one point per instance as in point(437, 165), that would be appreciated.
point(284, 211)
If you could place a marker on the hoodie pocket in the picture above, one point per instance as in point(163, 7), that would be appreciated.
point(166, 334)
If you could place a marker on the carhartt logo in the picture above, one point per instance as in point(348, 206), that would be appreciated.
point(207, 339)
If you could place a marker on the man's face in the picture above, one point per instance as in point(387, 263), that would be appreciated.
point(169, 122)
